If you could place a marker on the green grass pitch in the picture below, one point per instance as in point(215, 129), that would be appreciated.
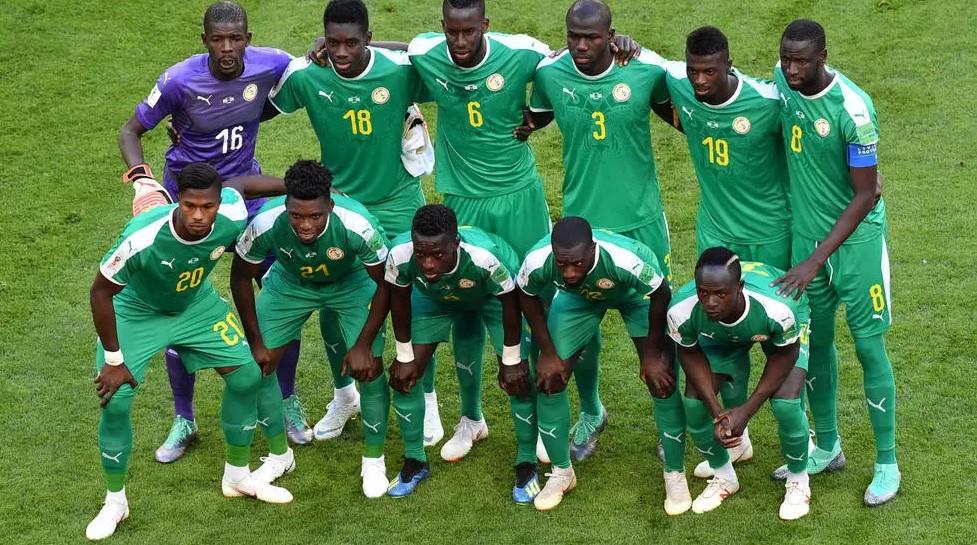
point(72, 73)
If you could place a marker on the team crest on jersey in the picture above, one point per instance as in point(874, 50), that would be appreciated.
point(822, 127)
point(741, 125)
point(335, 253)
point(621, 92)
point(250, 92)
point(495, 82)
point(759, 338)
point(466, 283)
point(217, 253)
point(605, 283)
point(380, 95)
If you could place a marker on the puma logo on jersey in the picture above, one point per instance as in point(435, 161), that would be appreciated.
point(442, 83)
point(688, 112)
point(676, 438)
point(785, 98)
point(207, 100)
point(287, 252)
point(526, 419)
point(166, 77)
point(374, 427)
point(168, 263)
point(707, 335)
point(468, 367)
point(880, 406)
point(113, 458)
point(406, 417)
point(328, 95)
point(572, 93)
point(551, 433)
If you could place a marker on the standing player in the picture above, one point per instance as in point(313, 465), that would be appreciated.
point(216, 101)
point(716, 320)
point(478, 80)
point(839, 252)
point(457, 275)
point(356, 105)
point(593, 271)
point(152, 292)
point(329, 256)
point(732, 124)
point(602, 110)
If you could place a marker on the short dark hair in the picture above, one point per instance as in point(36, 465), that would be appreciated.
point(347, 11)
point(571, 232)
point(720, 257)
point(225, 12)
point(432, 220)
point(707, 40)
point(308, 180)
point(805, 30)
point(589, 9)
point(197, 176)
point(465, 4)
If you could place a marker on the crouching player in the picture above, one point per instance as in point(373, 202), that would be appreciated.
point(444, 276)
point(716, 320)
point(329, 255)
point(594, 271)
point(151, 292)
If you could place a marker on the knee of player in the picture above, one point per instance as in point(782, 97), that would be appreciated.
point(787, 410)
point(244, 378)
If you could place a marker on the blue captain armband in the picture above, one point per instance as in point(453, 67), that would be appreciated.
point(862, 155)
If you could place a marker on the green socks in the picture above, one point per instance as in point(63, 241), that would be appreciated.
point(468, 344)
point(374, 408)
point(270, 416)
point(701, 429)
point(822, 381)
point(409, 409)
point(793, 430)
point(880, 395)
point(553, 412)
point(239, 413)
point(586, 370)
point(670, 420)
point(115, 437)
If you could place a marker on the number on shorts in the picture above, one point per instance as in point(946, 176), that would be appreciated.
point(878, 297)
point(229, 329)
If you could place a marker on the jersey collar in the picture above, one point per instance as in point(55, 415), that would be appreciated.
point(596, 76)
point(746, 311)
point(822, 92)
point(596, 258)
point(180, 239)
point(730, 100)
point(369, 66)
point(488, 51)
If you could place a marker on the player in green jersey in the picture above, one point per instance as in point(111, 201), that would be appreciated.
point(602, 109)
point(356, 104)
point(445, 276)
point(731, 122)
point(715, 320)
point(329, 255)
point(839, 252)
point(151, 292)
point(594, 271)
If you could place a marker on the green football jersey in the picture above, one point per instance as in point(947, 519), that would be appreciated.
point(824, 135)
point(352, 238)
point(609, 168)
point(359, 122)
point(623, 270)
point(486, 267)
point(738, 155)
point(161, 271)
point(475, 152)
point(767, 317)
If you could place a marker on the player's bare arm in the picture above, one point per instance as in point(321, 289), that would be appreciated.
point(256, 185)
point(243, 275)
point(403, 375)
point(513, 378)
point(531, 122)
point(656, 358)
point(698, 377)
point(359, 362)
point(865, 182)
point(729, 425)
point(111, 377)
point(130, 142)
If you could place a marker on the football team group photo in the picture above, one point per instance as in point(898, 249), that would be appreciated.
point(646, 247)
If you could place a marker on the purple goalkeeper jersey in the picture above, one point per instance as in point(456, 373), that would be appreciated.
point(217, 120)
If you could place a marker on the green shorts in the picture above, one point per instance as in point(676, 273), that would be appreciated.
point(734, 359)
point(397, 212)
point(285, 304)
point(775, 253)
point(654, 235)
point(856, 275)
point(433, 320)
point(207, 334)
point(573, 320)
point(520, 218)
